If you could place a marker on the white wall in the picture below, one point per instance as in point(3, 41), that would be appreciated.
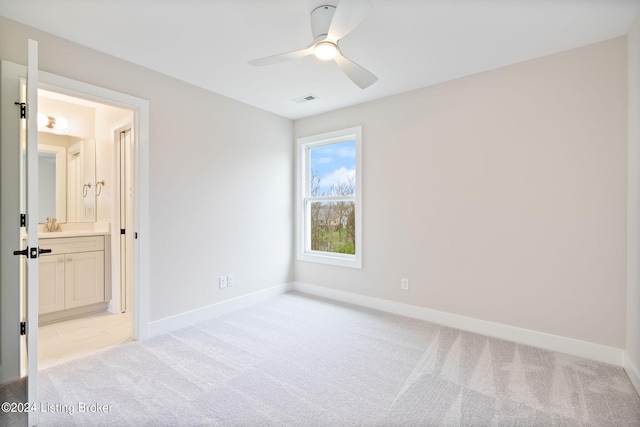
point(633, 245)
point(107, 119)
point(220, 177)
point(501, 196)
point(81, 119)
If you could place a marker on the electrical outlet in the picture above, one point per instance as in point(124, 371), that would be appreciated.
point(222, 281)
point(231, 281)
point(404, 284)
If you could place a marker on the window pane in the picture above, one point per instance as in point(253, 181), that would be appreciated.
point(333, 169)
point(333, 227)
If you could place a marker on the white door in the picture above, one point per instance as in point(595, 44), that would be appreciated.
point(19, 228)
point(126, 215)
point(32, 231)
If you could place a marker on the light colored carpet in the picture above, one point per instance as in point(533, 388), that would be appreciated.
point(13, 392)
point(302, 361)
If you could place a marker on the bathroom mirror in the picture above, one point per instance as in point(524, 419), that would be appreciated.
point(52, 198)
point(67, 178)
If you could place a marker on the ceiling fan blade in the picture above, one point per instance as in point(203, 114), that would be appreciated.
point(358, 74)
point(282, 57)
point(348, 15)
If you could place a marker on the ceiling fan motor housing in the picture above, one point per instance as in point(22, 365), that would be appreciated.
point(321, 20)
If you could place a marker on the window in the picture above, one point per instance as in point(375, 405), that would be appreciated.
point(330, 198)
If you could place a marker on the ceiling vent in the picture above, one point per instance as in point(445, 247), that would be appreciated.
point(305, 98)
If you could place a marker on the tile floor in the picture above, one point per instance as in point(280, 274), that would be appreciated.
point(68, 339)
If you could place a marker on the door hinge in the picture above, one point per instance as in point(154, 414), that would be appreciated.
point(23, 328)
point(123, 231)
point(23, 220)
point(23, 109)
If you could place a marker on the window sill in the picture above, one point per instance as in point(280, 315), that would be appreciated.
point(351, 261)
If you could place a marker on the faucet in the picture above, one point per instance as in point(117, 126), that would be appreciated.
point(52, 225)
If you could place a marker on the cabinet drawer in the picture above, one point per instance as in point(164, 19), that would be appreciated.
point(65, 245)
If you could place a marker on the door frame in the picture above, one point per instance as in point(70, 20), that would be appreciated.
point(140, 129)
point(115, 306)
point(140, 108)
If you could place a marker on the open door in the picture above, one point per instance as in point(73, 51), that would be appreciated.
point(19, 234)
point(32, 233)
point(126, 223)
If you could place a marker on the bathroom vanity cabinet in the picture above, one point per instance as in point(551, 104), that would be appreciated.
point(72, 275)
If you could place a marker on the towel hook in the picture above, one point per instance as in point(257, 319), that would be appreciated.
point(85, 189)
point(99, 186)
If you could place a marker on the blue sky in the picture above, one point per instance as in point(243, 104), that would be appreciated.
point(334, 163)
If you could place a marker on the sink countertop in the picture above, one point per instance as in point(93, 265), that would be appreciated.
point(77, 233)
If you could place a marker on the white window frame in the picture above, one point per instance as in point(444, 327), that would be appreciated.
point(304, 199)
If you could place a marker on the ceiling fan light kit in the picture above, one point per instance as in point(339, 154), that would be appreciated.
point(329, 24)
point(325, 50)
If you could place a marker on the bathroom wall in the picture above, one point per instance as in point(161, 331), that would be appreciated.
point(82, 123)
point(108, 119)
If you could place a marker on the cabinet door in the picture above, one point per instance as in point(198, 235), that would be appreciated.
point(84, 281)
point(50, 283)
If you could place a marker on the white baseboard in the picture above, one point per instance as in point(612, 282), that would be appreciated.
point(189, 318)
point(632, 371)
point(552, 342)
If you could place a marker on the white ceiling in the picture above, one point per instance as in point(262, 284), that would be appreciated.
point(407, 43)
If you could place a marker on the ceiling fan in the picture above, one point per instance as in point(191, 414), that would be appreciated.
point(329, 25)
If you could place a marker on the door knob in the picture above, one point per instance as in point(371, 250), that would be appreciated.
point(24, 252)
point(33, 253)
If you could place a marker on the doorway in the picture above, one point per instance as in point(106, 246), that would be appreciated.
point(95, 199)
point(11, 129)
